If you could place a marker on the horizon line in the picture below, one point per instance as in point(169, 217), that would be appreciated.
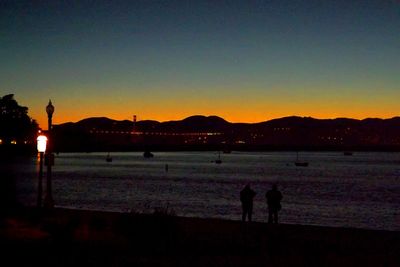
point(198, 115)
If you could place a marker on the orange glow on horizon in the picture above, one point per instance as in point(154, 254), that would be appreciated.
point(233, 117)
point(244, 108)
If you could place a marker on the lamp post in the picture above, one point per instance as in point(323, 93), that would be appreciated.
point(41, 147)
point(48, 201)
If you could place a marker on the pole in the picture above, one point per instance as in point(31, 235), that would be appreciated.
point(40, 186)
point(48, 201)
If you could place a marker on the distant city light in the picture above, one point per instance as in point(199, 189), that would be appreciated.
point(13, 142)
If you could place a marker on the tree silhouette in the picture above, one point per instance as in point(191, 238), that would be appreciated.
point(15, 124)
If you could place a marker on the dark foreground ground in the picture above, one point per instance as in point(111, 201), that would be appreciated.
point(85, 238)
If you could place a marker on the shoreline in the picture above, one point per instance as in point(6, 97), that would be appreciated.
point(19, 150)
point(119, 239)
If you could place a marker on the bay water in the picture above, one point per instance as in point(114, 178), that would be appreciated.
point(360, 191)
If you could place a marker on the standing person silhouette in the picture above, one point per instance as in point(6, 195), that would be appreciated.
point(246, 197)
point(274, 197)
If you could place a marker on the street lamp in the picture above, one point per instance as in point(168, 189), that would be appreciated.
point(41, 148)
point(48, 201)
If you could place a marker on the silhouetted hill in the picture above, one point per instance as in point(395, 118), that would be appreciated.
point(212, 132)
point(210, 120)
point(103, 122)
point(196, 124)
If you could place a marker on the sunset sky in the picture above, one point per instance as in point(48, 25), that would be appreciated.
point(246, 61)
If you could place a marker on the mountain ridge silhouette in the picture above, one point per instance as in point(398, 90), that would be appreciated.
point(199, 118)
point(213, 132)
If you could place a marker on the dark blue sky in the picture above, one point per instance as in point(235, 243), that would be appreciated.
point(242, 60)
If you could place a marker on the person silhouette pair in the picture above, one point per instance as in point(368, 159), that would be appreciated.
point(273, 196)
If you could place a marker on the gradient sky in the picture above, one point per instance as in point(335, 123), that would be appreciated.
point(246, 61)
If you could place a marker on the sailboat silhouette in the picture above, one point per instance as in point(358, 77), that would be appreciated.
point(108, 158)
point(147, 154)
point(218, 161)
point(299, 162)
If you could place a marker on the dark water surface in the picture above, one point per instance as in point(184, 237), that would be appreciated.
point(362, 190)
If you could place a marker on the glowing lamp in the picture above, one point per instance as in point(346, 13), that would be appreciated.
point(41, 143)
